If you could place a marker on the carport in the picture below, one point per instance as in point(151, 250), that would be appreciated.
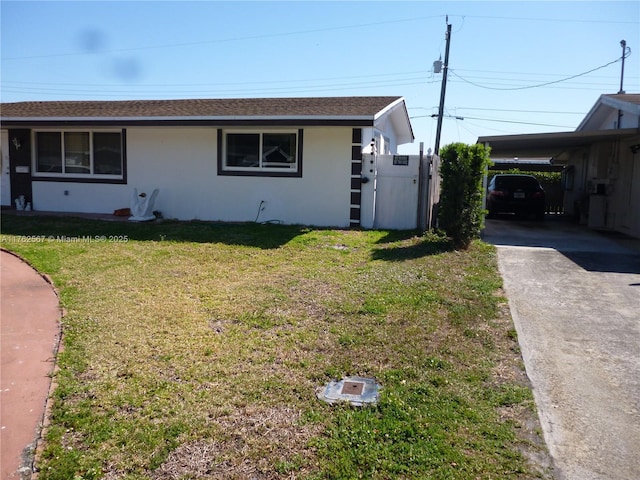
point(600, 178)
point(601, 175)
point(558, 146)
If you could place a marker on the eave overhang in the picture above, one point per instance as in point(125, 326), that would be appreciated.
point(550, 145)
point(22, 122)
point(400, 120)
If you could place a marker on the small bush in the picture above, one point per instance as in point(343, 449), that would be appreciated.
point(461, 215)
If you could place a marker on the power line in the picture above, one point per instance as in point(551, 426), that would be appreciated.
point(310, 31)
point(562, 20)
point(518, 111)
point(402, 76)
point(128, 91)
point(384, 80)
point(485, 127)
point(493, 120)
point(564, 86)
point(521, 80)
point(538, 74)
point(517, 122)
point(226, 40)
point(540, 84)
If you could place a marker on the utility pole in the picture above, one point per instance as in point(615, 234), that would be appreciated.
point(443, 89)
point(623, 44)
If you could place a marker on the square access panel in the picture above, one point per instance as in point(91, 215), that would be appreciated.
point(358, 391)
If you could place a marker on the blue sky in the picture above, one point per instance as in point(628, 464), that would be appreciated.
point(501, 55)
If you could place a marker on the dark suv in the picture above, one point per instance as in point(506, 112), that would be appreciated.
point(519, 194)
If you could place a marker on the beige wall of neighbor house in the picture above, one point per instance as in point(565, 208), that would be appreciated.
point(606, 192)
point(606, 186)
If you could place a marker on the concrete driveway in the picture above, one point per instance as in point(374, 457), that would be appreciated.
point(574, 296)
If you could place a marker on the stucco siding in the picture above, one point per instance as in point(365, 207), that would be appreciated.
point(181, 162)
point(79, 197)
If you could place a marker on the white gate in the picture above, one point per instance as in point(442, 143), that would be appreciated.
point(402, 190)
point(397, 191)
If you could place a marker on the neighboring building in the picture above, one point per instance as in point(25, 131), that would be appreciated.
point(293, 160)
point(601, 159)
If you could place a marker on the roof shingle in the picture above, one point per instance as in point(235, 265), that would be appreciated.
point(201, 108)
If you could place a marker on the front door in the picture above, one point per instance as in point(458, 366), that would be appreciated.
point(5, 179)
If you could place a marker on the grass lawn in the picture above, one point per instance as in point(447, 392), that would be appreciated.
point(193, 351)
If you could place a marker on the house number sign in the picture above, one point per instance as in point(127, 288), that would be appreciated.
point(401, 160)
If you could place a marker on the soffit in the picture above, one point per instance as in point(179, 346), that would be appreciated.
point(549, 144)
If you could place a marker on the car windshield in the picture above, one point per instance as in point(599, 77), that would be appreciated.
point(515, 182)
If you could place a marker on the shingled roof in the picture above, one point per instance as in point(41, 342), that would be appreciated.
point(351, 107)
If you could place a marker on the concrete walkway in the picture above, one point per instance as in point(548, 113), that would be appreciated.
point(575, 300)
point(30, 313)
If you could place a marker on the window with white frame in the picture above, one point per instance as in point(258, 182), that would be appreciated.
point(79, 154)
point(266, 152)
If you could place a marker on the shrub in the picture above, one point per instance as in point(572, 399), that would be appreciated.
point(460, 214)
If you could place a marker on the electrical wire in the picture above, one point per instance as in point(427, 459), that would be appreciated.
point(561, 20)
point(519, 111)
point(216, 84)
point(435, 109)
point(517, 122)
point(226, 40)
point(458, 117)
point(542, 84)
point(129, 92)
point(529, 74)
point(416, 77)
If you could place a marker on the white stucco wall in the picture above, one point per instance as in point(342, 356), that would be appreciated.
point(181, 162)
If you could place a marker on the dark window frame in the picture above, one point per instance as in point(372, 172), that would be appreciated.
point(224, 170)
point(77, 177)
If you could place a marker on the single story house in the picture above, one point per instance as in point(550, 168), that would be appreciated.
point(601, 159)
point(291, 160)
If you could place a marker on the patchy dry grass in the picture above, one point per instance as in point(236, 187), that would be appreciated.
point(193, 351)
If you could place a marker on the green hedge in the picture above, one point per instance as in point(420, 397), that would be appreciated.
point(548, 178)
point(460, 213)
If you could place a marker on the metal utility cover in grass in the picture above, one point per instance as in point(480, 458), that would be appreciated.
point(358, 391)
